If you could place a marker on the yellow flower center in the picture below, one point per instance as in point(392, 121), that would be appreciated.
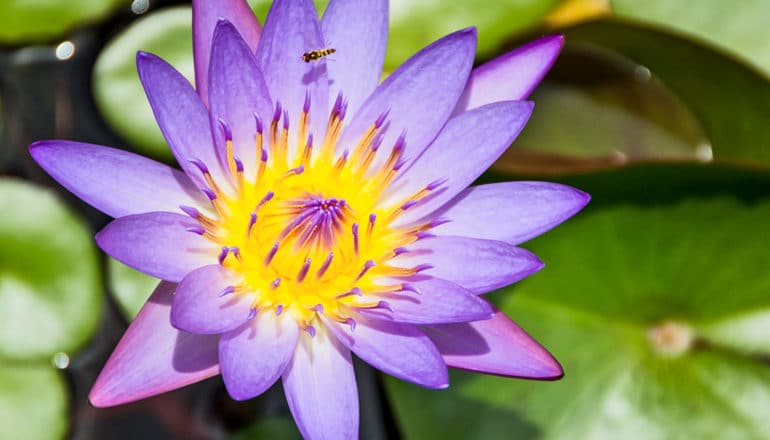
point(307, 233)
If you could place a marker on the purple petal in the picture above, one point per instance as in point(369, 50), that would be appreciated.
point(292, 29)
point(157, 244)
point(465, 148)
point(153, 357)
point(419, 96)
point(206, 13)
point(321, 388)
point(182, 117)
point(513, 212)
point(358, 30)
point(237, 91)
point(401, 350)
point(199, 307)
point(495, 346)
point(477, 265)
point(115, 182)
point(511, 76)
point(254, 356)
point(429, 300)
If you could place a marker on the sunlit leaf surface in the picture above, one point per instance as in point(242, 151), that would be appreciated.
point(738, 27)
point(50, 292)
point(129, 287)
point(117, 90)
point(653, 311)
point(43, 20)
point(33, 402)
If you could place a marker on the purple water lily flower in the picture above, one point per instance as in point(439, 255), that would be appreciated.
point(319, 212)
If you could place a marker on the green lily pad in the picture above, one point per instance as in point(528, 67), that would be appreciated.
point(129, 287)
point(24, 21)
point(739, 27)
point(33, 402)
point(50, 290)
point(415, 24)
point(117, 89)
point(598, 109)
point(730, 99)
point(646, 308)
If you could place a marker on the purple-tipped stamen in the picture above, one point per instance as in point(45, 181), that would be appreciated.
point(344, 109)
point(327, 262)
point(368, 265)
point(223, 254)
point(372, 219)
point(423, 235)
point(381, 119)
point(276, 282)
point(252, 222)
point(400, 250)
point(353, 292)
point(352, 323)
point(228, 134)
point(263, 157)
point(235, 251)
point(209, 193)
point(435, 184)
point(271, 254)
point(296, 171)
point(252, 314)
point(409, 204)
point(189, 210)
point(226, 291)
point(436, 222)
point(337, 107)
point(306, 104)
point(406, 287)
point(354, 230)
point(277, 112)
point(285, 119)
point(200, 165)
point(267, 198)
point(303, 271)
point(384, 305)
point(195, 229)
point(422, 267)
point(258, 122)
point(238, 164)
point(311, 330)
point(279, 310)
point(318, 308)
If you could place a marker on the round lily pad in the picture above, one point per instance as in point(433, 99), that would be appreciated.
point(653, 310)
point(117, 89)
point(33, 402)
point(129, 287)
point(609, 112)
point(50, 292)
point(737, 27)
point(733, 118)
point(43, 20)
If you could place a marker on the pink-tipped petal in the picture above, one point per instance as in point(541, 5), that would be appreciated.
point(153, 357)
point(205, 304)
point(181, 115)
point(477, 265)
point(237, 91)
point(465, 148)
point(513, 212)
point(358, 30)
point(495, 346)
point(292, 29)
point(254, 356)
point(511, 76)
point(321, 389)
point(113, 181)
point(157, 244)
point(401, 350)
point(418, 97)
point(429, 300)
point(206, 13)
